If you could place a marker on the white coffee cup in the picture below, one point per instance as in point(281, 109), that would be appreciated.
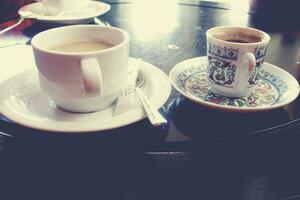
point(235, 55)
point(82, 81)
point(55, 7)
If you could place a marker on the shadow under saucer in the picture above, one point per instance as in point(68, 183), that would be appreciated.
point(204, 123)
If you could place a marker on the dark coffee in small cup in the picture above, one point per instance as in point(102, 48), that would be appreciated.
point(237, 37)
point(238, 41)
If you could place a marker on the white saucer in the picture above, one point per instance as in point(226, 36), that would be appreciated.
point(275, 88)
point(22, 101)
point(84, 15)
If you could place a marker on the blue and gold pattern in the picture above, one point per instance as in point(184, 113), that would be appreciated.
point(221, 72)
point(223, 51)
point(260, 52)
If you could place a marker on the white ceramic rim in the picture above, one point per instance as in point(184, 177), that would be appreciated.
point(35, 45)
point(294, 90)
point(266, 37)
point(68, 20)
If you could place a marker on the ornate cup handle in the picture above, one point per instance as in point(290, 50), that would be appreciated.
point(248, 60)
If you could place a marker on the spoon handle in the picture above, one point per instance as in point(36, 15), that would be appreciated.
point(154, 116)
point(5, 134)
point(12, 26)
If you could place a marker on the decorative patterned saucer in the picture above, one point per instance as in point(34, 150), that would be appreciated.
point(274, 89)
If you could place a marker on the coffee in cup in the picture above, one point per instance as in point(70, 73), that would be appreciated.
point(81, 46)
point(238, 38)
point(83, 68)
point(235, 55)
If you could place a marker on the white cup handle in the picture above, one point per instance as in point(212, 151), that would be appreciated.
point(92, 76)
point(249, 61)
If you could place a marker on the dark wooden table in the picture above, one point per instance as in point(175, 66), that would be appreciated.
point(201, 154)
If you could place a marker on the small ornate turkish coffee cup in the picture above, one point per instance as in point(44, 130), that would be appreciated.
point(235, 55)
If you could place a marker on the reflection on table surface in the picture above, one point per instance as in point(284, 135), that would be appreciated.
point(201, 153)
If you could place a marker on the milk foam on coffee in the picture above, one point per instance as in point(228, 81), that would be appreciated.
point(81, 46)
